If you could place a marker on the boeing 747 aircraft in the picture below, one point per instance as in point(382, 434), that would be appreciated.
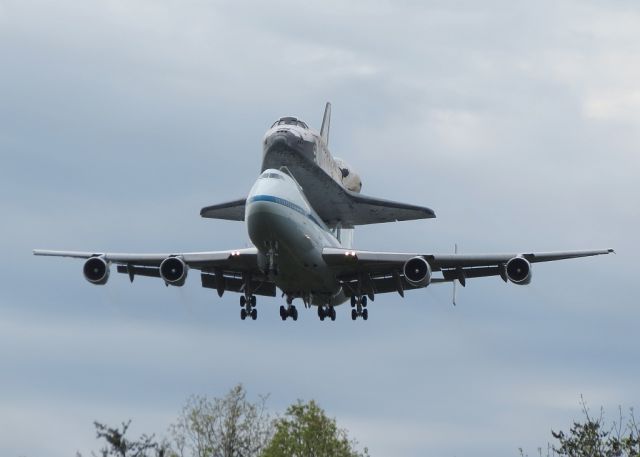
point(300, 215)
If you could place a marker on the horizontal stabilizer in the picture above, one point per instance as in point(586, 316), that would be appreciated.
point(230, 211)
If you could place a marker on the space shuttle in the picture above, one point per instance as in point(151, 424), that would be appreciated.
point(331, 185)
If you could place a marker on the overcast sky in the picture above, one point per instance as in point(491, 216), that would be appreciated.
point(517, 122)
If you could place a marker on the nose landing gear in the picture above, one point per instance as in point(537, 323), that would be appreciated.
point(326, 311)
point(272, 258)
point(288, 311)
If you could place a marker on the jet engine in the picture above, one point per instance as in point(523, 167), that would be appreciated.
point(96, 270)
point(518, 271)
point(417, 272)
point(173, 271)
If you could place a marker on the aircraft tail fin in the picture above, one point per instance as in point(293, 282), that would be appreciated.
point(326, 123)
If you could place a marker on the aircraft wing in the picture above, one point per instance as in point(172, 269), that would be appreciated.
point(380, 272)
point(221, 270)
point(337, 205)
point(231, 211)
point(361, 210)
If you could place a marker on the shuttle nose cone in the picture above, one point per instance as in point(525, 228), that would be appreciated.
point(286, 147)
point(281, 138)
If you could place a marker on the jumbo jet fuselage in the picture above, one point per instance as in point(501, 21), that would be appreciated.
point(281, 221)
point(290, 237)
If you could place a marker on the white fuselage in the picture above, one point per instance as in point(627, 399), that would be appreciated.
point(287, 232)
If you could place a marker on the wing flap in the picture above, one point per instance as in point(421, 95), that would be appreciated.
point(133, 271)
point(236, 284)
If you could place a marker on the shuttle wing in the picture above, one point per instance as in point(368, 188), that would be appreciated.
point(361, 210)
point(337, 205)
point(221, 270)
point(231, 211)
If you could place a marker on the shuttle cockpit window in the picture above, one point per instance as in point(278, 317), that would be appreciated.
point(290, 121)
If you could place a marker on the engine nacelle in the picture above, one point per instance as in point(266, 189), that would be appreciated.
point(173, 271)
point(518, 271)
point(96, 271)
point(417, 272)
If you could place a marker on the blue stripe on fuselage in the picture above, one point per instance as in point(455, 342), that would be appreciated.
point(288, 204)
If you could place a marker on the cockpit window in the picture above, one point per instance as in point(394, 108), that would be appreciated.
point(271, 175)
point(290, 121)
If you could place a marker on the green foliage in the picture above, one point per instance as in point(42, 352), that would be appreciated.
point(593, 438)
point(306, 431)
point(231, 426)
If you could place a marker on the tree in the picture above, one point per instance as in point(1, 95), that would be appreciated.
point(306, 431)
point(231, 426)
point(117, 445)
point(593, 438)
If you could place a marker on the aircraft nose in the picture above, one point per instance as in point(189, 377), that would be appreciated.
point(283, 146)
point(282, 138)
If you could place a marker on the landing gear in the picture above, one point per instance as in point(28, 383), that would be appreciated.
point(272, 258)
point(327, 311)
point(248, 304)
point(289, 311)
point(359, 305)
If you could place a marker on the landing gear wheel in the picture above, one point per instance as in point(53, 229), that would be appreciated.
point(365, 314)
point(283, 313)
point(254, 314)
point(253, 301)
point(243, 301)
point(354, 315)
point(294, 313)
point(353, 301)
point(243, 314)
point(332, 313)
point(321, 313)
point(364, 301)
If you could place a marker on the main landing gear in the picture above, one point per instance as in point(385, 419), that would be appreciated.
point(248, 303)
point(359, 305)
point(288, 311)
point(327, 311)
